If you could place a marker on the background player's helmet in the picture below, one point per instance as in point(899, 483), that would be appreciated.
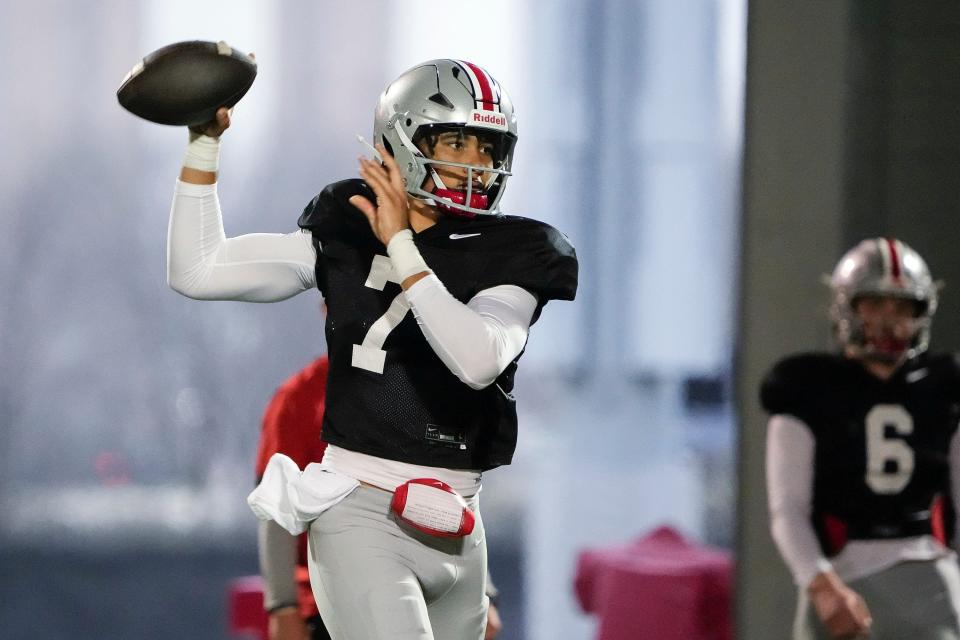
point(884, 267)
point(444, 95)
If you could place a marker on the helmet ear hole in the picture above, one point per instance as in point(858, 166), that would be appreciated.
point(387, 145)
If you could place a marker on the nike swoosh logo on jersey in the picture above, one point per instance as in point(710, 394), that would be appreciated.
point(461, 236)
point(919, 374)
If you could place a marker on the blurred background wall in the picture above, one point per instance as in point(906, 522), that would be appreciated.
point(129, 415)
point(852, 131)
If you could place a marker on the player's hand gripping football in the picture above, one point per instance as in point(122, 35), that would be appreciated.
point(841, 609)
point(215, 127)
point(220, 123)
point(391, 212)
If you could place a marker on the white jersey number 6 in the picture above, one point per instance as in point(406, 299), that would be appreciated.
point(890, 460)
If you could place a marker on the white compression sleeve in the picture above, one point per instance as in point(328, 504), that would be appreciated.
point(203, 263)
point(476, 340)
point(790, 449)
point(954, 462)
point(277, 552)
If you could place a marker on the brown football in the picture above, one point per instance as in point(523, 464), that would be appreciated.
point(186, 82)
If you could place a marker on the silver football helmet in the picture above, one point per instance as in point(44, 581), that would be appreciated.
point(443, 95)
point(882, 267)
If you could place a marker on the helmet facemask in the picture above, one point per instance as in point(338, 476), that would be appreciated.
point(456, 193)
point(886, 341)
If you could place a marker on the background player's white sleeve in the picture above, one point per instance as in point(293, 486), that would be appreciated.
point(790, 450)
point(954, 461)
point(476, 340)
point(277, 553)
point(203, 263)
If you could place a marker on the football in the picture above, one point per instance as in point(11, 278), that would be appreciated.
point(186, 82)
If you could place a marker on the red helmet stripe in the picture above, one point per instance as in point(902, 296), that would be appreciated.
point(483, 88)
point(894, 259)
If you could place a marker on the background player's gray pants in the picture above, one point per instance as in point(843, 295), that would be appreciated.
point(377, 579)
point(909, 601)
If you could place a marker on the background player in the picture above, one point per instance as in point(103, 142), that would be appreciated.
point(291, 425)
point(421, 395)
point(862, 456)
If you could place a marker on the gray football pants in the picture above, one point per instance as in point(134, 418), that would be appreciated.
point(376, 578)
point(909, 601)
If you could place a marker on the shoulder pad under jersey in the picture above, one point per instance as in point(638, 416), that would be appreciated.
point(543, 260)
point(794, 383)
point(330, 213)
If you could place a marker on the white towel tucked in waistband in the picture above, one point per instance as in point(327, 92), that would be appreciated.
point(293, 498)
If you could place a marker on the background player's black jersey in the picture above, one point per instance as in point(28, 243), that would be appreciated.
point(388, 393)
point(882, 447)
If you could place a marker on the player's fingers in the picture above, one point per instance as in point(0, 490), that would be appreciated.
point(393, 169)
point(848, 623)
point(216, 126)
point(842, 624)
point(862, 613)
point(375, 177)
point(375, 170)
point(365, 206)
point(223, 118)
point(384, 153)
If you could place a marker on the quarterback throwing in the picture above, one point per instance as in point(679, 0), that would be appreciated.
point(430, 291)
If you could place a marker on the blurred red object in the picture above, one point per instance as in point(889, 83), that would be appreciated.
point(112, 468)
point(245, 607)
point(245, 604)
point(660, 586)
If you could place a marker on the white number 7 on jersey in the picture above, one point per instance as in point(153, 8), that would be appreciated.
point(369, 354)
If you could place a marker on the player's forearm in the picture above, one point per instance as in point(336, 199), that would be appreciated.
point(799, 548)
point(954, 462)
point(277, 551)
point(476, 341)
point(195, 176)
point(789, 493)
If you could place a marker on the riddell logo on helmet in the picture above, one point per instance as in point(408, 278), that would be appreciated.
point(488, 119)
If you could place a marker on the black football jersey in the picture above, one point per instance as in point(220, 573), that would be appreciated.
point(388, 393)
point(881, 458)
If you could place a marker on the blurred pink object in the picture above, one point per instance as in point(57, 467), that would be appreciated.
point(658, 587)
point(245, 608)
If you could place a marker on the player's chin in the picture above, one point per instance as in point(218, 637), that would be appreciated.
point(886, 353)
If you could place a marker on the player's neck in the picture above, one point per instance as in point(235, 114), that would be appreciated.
point(422, 215)
point(881, 370)
point(876, 368)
